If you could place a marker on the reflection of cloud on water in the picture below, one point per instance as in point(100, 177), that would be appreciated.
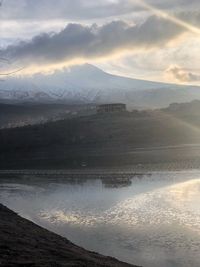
point(185, 197)
point(170, 205)
point(154, 222)
point(186, 192)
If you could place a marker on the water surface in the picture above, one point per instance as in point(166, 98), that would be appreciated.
point(153, 221)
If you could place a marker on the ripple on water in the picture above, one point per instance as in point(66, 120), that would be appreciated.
point(158, 214)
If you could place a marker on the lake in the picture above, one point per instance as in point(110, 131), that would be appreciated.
point(153, 220)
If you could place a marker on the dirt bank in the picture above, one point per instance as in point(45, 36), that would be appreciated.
point(25, 244)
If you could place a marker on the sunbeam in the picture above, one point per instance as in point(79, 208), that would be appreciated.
point(179, 121)
point(160, 13)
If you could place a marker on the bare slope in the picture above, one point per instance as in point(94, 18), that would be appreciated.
point(22, 243)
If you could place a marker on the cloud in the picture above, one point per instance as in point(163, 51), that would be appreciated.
point(77, 41)
point(173, 4)
point(182, 75)
point(84, 9)
point(64, 9)
point(56, 45)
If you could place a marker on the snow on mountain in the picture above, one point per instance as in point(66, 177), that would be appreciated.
point(87, 83)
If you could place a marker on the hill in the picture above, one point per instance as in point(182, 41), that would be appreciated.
point(136, 137)
point(14, 115)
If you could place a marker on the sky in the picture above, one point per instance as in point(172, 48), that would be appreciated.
point(147, 39)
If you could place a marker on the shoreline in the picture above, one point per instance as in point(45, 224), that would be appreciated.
point(26, 244)
point(95, 173)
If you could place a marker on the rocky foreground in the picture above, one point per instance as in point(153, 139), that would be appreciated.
point(25, 244)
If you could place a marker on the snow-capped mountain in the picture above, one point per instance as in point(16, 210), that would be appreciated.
point(88, 83)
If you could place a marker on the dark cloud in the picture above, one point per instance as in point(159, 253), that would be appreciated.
point(64, 9)
point(90, 42)
point(182, 75)
point(174, 4)
point(84, 9)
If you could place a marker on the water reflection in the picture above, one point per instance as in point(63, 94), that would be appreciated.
point(150, 220)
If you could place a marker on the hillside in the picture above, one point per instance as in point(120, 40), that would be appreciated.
point(23, 243)
point(103, 140)
point(13, 115)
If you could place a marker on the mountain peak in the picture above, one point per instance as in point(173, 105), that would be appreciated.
point(88, 83)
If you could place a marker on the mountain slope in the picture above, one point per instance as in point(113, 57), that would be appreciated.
point(86, 84)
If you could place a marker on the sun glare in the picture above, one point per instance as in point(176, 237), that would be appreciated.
point(158, 12)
